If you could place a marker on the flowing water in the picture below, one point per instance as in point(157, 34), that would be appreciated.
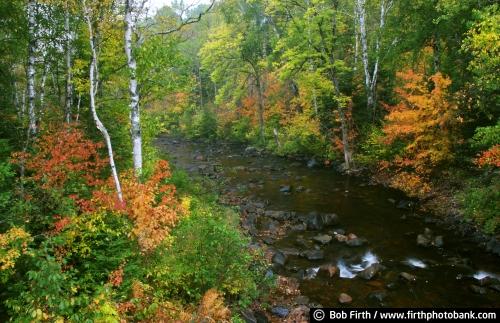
point(443, 275)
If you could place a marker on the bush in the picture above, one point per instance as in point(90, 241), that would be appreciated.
point(206, 252)
point(481, 203)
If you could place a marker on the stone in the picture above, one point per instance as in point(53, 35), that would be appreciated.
point(438, 241)
point(408, 277)
point(341, 238)
point(478, 290)
point(493, 246)
point(351, 236)
point(251, 151)
point(495, 287)
point(311, 273)
point(330, 269)
point(279, 258)
point(285, 188)
point(280, 311)
point(277, 215)
point(338, 231)
point(355, 242)
point(345, 298)
point(313, 254)
point(423, 241)
point(312, 163)
point(299, 314)
point(391, 200)
point(261, 317)
point(323, 238)
point(290, 251)
point(405, 205)
point(370, 272)
point(378, 295)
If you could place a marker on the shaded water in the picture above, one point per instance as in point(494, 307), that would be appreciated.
point(443, 275)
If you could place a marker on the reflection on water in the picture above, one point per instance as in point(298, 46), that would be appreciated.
point(444, 276)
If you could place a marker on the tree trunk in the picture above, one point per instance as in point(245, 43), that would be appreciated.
point(31, 67)
point(78, 107)
point(135, 121)
point(42, 91)
point(261, 106)
point(93, 75)
point(69, 88)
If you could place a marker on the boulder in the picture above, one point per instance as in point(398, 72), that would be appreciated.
point(323, 238)
point(370, 272)
point(438, 241)
point(345, 298)
point(357, 242)
point(279, 258)
point(285, 188)
point(280, 311)
point(407, 277)
point(313, 254)
point(423, 240)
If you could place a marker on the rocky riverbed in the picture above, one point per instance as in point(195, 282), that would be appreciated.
point(334, 240)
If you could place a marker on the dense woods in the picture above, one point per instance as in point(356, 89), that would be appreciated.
point(94, 223)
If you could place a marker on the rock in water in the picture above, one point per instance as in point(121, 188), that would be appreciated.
point(378, 295)
point(345, 298)
point(438, 241)
point(280, 311)
point(478, 290)
point(313, 254)
point(355, 242)
point(408, 277)
point(423, 241)
point(285, 188)
point(370, 272)
point(323, 238)
point(312, 163)
point(279, 258)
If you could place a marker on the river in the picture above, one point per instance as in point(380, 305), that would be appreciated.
point(451, 274)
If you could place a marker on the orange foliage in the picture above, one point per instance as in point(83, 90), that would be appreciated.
point(212, 308)
point(60, 154)
point(152, 205)
point(116, 277)
point(423, 120)
point(490, 157)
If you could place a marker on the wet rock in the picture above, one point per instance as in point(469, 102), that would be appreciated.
point(311, 273)
point(277, 215)
point(478, 290)
point(312, 163)
point(300, 188)
point(493, 246)
point(338, 231)
point(351, 236)
point(357, 242)
point(423, 241)
point(392, 201)
point(279, 258)
point(428, 232)
point(269, 274)
point(405, 205)
point(341, 238)
point(315, 221)
point(301, 242)
point(251, 151)
point(269, 225)
point(313, 254)
point(329, 219)
point(345, 298)
point(378, 295)
point(285, 188)
point(495, 287)
point(268, 240)
point(239, 168)
point(438, 241)
point(290, 251)
point(330, 269)
point(407, 277)
point(323, 238)
point(298, 227)
point(295, 164)
point(370, 272)
point(280, 311)
point(487, 281)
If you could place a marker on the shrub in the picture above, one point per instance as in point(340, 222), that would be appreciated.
point(206, 252)
point(481, 203)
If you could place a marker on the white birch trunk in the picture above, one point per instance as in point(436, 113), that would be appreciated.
point(69, 88)
point(78, 108)
point(93, 75)
point(42, 91)
point(31, 67)
point(135, 121)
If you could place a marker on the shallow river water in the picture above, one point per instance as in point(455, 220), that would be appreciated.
point(445, 276)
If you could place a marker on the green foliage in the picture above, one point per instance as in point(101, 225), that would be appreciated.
point(481, 203)
point(206, 251)
point(486, 137)
point(373, 149)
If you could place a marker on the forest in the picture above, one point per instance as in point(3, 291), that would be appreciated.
point(96, 221)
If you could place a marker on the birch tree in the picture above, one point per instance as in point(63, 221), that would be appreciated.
point(30, 68)
point(68, 44)
point(370, 75)
point(93, 78)
point(131, 8)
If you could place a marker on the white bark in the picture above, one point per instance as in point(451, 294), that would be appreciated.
point(69, 88)
point(42, 90)
point(135, 121)
point(31, 67)
point(78, 108)
point(93, 76)
point(371, 77)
